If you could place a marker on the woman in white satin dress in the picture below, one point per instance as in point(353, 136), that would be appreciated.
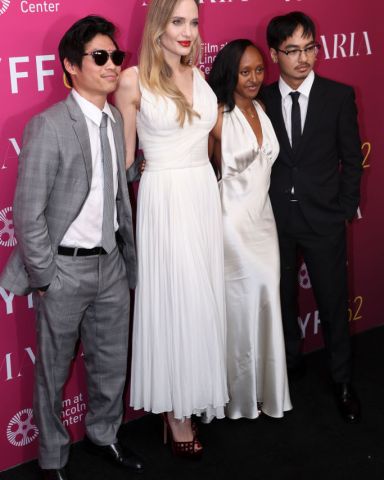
point(178, 354)
point(245, 146)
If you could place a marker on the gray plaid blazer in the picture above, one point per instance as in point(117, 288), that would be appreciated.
point(54, 176)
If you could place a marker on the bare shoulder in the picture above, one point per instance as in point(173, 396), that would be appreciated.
point(129, 74)
point(216, 131)
point(128, 90)
point(220, 114)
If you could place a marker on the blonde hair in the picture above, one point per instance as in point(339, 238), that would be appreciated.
point(154, 72)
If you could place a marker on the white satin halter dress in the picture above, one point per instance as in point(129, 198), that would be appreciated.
point(255, 343)
point(179, 332)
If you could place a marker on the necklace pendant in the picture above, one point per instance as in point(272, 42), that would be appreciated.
point(249, 113)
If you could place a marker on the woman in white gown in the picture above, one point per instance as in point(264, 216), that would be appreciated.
point(178, 359)
point(245, 147)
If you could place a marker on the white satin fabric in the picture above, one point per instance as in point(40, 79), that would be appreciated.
point(179, 337)
point(255, 344)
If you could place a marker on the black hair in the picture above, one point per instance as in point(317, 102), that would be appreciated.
point(72, 44)
point(282, 27)
point(224, 74)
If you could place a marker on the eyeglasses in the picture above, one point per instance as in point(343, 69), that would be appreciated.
point(295, 52)
point(101, 57)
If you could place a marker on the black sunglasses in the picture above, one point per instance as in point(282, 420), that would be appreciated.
point(101, 57)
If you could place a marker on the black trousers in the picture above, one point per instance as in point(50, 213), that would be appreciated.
point(326, 260)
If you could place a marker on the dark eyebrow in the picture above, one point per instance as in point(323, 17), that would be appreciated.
point(298, 46)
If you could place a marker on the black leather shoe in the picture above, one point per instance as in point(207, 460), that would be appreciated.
point(348, 403)
point(52, 474)
point(116, 454)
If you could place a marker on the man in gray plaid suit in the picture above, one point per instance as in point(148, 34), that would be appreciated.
point(75, 250)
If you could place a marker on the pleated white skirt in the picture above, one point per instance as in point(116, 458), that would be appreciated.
point(179, 337)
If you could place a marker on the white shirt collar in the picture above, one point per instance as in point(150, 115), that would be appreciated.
point(304, 89)
point(90, 110)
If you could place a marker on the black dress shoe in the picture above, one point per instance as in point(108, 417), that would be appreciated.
point(116, 454)
point(53, 474)
point(347, 402)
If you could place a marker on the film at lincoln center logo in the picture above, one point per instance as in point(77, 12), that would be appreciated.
point(7, 233)
point(4, 4)
point(21, 429)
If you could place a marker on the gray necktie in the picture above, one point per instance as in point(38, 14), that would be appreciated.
point(295, 119)
point(108, 239)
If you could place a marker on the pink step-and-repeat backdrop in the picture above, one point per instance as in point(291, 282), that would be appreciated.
point(31, 80)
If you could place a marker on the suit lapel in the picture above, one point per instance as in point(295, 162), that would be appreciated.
point(276, 113)
point(316, 104)
point(120, 157)
point(81, 130)
point(119, 145)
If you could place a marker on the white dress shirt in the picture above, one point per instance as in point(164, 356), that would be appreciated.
point(286, 101)
point(86, 230)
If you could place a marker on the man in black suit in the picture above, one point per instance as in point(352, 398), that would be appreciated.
point(314, 191)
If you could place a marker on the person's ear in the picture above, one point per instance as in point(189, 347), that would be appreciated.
point(273, 54)
point(70, 67)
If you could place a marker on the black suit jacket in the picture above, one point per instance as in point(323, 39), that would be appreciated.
point(326, 168)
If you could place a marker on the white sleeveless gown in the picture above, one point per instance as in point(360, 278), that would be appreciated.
point(179, 337)
point(255, 355)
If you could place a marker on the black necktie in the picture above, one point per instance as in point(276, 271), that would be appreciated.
point(295, 119)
